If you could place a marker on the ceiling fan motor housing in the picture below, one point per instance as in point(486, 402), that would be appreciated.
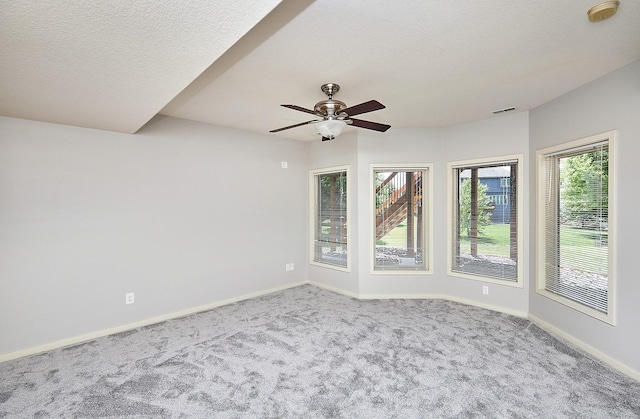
point(329, 108)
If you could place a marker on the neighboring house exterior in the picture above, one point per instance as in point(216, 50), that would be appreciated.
point(497, 181)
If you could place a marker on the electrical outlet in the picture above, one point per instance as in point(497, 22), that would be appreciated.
point(129, 298)
point(485, 289)
point(287, 267)
point(291, 266)
point(285, 165)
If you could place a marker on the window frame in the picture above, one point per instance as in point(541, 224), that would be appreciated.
point(427, 223)
point(541, 234)
point(452, 205)
point(313, 212)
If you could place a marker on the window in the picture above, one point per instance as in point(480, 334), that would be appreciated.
point(486, 220)
point(575, 225)
point(499, 199)
point(401, 214)
point(329, 217)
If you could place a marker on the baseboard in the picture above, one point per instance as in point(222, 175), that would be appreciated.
point(587, 348)
point(499, 309)
point(544, 325)
point(130, 326)
point(333, 289)
point(510, 311)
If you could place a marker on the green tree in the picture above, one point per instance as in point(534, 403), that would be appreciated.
point(484, 217)
point(332, 206)
point(339, 203)
point(584, 186)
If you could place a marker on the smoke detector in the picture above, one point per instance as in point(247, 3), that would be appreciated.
point(603, 10)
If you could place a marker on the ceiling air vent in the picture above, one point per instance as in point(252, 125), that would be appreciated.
point(499, 111)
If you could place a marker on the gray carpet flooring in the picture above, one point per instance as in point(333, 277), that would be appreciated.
point(309, 353)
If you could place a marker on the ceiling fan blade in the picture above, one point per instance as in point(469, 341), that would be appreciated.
point(293, 126)
point(370, 106)
point(369, 125)
point(300, 108)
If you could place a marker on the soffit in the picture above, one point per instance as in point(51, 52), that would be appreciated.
point(111, 65)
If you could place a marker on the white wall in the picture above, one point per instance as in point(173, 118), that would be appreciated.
point(499, 136)
point(179, 213)
point(395, 146)
point(325, 154)
point(612, 102)
point(183, 214)
point(507, 134)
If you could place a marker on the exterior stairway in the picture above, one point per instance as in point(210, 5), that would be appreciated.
point(393, 211)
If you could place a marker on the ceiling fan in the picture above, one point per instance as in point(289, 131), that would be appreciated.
point(334, 115)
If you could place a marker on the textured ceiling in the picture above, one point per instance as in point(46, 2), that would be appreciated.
point(112, 64)
point(432, 63)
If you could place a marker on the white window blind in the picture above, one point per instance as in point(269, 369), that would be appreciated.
point(400, 214)
point(329, 245)
point(485, 220)
point(577, 225)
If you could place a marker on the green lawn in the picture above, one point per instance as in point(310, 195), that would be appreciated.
point(493, 242)
point(395, 238)
point(584, 249)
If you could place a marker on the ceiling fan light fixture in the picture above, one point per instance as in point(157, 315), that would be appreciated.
point(330, 128)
